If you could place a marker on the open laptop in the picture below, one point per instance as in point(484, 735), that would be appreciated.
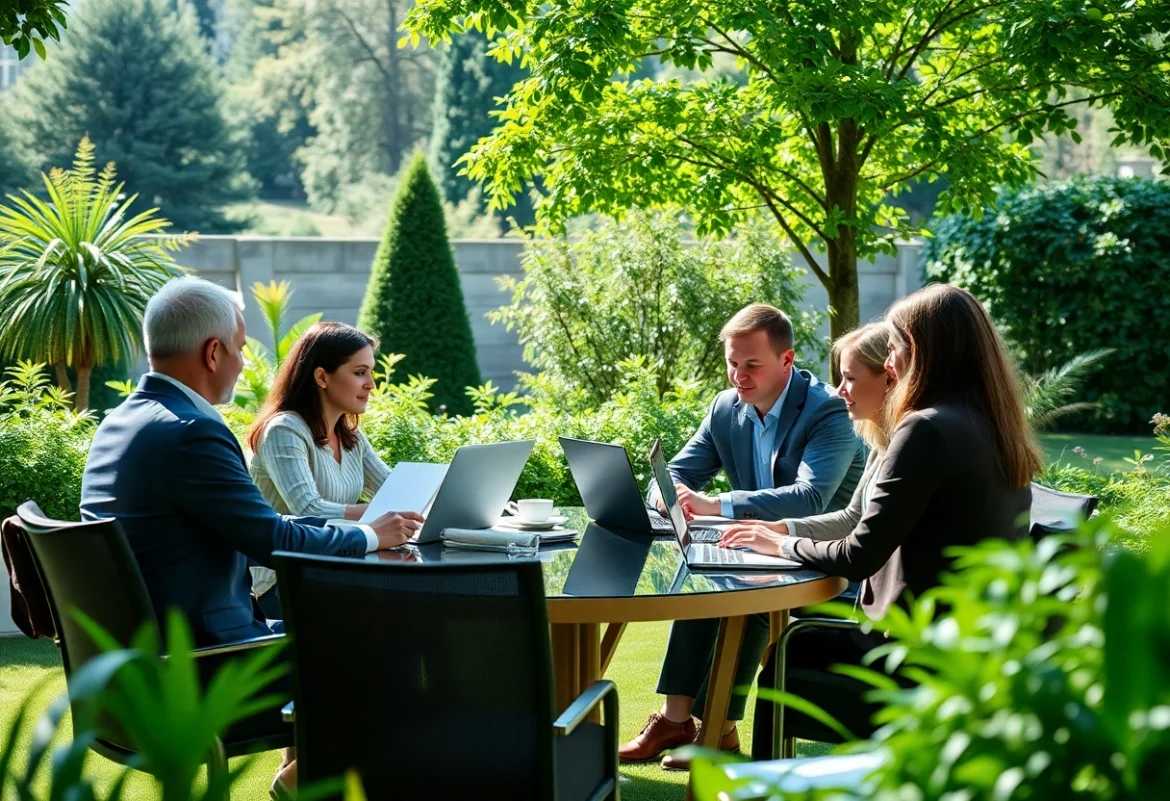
point(605, 478)
point(477, 485)
point(700, 555)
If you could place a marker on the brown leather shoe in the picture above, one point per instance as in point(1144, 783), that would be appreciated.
point(729, 742)
point(658, 735)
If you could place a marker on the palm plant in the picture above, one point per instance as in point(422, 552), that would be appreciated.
point(76, 272)
point(1048, 396)
point(261, 364)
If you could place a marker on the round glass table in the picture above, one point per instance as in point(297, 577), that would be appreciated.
point(615, 577)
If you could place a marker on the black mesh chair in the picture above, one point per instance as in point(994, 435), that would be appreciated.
point(1051, 512)
point(89, 566)
point(435, 681)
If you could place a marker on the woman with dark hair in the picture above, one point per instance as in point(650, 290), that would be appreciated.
point(310, 457)
point(957, 470)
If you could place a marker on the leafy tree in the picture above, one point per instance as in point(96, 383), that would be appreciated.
point(632, 289)
point(468, 87)
point(845, 103)
point(154, 107)
point(414, 303)
point(367, 100)
point(76, 272)
point(25, 24)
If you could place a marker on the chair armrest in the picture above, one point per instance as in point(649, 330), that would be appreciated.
point(580, 709)
point(288, 713)
point(235, 647)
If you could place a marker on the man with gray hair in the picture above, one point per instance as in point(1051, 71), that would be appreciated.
point(166, 466)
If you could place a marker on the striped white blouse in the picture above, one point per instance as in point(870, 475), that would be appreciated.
point(299, 477)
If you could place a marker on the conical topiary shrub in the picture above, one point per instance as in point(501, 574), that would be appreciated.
point(414, 303)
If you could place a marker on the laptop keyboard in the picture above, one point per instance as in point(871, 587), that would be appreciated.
point(660, 524)
point(705, 534)
point(713, 554)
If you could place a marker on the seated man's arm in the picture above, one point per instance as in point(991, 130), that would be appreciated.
point(829, 453)
point(696, 464)
point(212, 488)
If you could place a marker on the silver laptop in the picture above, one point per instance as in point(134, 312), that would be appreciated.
point(476, 487)
point(700, 555)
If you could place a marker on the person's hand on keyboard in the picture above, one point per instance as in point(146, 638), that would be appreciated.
point(759, 537)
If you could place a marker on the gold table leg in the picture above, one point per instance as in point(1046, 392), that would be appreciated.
point(721, 682)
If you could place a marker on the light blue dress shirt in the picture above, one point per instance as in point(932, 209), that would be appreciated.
point(763, 444)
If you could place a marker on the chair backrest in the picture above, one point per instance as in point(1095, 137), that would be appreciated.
point(431, 680)
point(1054, 511)
point(89, 567)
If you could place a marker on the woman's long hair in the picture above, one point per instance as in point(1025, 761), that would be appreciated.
point(955, 352)
point(325, 345)
point(870, 345)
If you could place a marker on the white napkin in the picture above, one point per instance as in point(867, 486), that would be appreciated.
point(489, 539)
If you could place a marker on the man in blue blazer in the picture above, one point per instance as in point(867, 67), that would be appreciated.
point(789, 450)
point(166, 466)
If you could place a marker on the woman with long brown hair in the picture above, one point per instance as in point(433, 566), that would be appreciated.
point(311, 458)
point(957, 470)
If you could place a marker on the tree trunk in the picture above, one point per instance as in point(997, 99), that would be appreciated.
point(393, 111)
point(844, 298)
point(62, 376)
point(81, 399)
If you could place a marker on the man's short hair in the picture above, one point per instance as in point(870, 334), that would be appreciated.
point(186, 313)
point(761, 317)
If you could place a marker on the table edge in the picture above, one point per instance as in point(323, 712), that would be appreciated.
point(693, 606)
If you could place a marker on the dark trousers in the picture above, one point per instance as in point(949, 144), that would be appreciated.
point(811, 655)
point(687, 666)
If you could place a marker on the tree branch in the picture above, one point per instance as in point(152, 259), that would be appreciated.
point(821, 275)
point(992, 129)
point(373, 56)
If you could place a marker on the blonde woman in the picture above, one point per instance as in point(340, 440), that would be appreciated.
point(860, 357)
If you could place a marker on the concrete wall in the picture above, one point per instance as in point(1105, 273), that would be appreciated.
point(330, 276)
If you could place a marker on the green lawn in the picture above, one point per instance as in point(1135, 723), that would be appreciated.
point(1113, 450)
point(24, 664)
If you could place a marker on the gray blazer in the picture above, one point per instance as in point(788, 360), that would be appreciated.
point(840, 524)
point(817, 459)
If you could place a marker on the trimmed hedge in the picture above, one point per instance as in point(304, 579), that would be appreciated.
point(1070, 267)
point(414, 302)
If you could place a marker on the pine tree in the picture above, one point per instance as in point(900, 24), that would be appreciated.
point(138, 77)
point(414, 303)
point(467, 87)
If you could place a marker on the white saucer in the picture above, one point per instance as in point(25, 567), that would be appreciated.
point(515, 522)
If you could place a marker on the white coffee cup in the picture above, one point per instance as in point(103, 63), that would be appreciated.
point(532, 510)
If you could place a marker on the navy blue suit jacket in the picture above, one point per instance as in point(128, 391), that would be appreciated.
point(817, 459)
point(177, 481)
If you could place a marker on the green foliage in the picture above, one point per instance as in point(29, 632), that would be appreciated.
point(25, 24)
point(1049, 395)
point(414, 302)
point(1138, 499)
point(632, 288)
point(76, 271)
point(153, 106)
point(43, 444)
point(172, 720)
point(1041, 672)
point(260, 363)
point(1068, 267)
point(401, 429)
point(468, 86)
point(844, 103)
